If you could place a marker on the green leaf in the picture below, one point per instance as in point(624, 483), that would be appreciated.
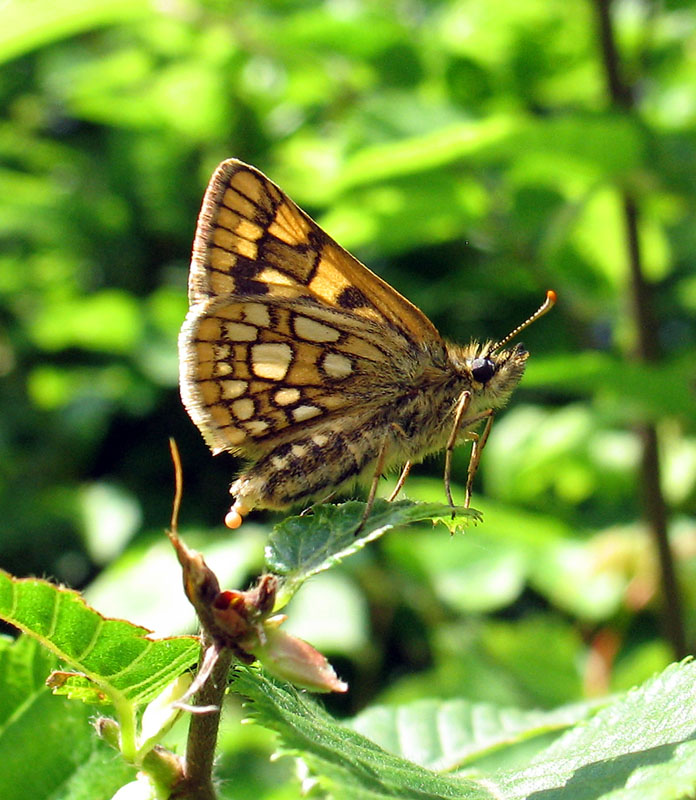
point(110, 320)
point(347, 764)
point(35, 23)
point(434, 149)
point(446, 735)
point(548, 143)
point(47, 745)
point(117, 656)
point(628, 388)
point(300, 547)
point(641, 747)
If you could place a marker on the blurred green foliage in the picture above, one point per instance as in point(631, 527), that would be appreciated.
point(468, 153)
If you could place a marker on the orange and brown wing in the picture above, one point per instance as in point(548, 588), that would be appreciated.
point(285, 328)
point(252, 239)
point(254, 367)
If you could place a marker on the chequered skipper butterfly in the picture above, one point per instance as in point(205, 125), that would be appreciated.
point(296, 356)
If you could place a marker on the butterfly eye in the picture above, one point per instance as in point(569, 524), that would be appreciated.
point(482, 369)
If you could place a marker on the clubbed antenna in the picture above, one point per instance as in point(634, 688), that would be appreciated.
point(547, 305)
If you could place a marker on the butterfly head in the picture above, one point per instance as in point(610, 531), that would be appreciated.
point(492, 371)
point(492, 375)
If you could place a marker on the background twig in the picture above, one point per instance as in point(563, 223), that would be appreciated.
point(646, 351)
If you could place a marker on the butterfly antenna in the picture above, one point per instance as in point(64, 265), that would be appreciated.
point(547, 305)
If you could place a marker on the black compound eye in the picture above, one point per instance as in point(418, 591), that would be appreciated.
point(482, 369)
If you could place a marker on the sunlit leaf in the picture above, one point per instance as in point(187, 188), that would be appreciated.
point(47, 741)
point(449, 735)
point(637, 748)
point(116, 656)
point(346, 762)
point(300, 547)
point(29, 25)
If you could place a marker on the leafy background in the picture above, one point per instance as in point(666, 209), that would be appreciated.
point(472, 154)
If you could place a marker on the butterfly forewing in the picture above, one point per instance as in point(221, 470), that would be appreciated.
point(281, 331)
point(252, 239)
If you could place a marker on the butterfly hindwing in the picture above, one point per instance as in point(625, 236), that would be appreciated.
point(255, 366)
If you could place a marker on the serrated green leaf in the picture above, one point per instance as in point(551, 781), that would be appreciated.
point(445, 735)
point(641, 747)
point(300, 547)
point(117, 656)
point(346, 763)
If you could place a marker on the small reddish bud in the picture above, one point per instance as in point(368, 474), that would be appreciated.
point(296, 661)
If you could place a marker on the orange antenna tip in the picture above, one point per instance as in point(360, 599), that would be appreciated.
point(547, 305)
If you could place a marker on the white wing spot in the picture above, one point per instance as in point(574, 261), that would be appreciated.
point(301, 413)
point(285, 397)
point(299, 450)
point(336, 365)
point(231, 389)
point(256, 426)
point(244, 408)
point(271, 360)
point(222, 368)
point(257, 314)
point(313, 331)
point(320, 439)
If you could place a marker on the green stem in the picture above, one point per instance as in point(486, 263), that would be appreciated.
point(203, 729)
point(125, 712)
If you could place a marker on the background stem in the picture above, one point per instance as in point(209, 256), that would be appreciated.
point(646, 351)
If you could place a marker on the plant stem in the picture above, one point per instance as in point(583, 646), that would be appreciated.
point(647, 351)
point(203, 729)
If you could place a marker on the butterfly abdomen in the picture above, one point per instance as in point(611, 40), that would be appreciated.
point(331, 456)
point(304, 469)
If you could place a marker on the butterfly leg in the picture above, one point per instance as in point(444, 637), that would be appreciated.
point(325, 499)
point(479, 443)
point(459, 411)
point(379, 467)
point(402, 480)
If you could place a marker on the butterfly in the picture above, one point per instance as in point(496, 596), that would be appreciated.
point(297, 357)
